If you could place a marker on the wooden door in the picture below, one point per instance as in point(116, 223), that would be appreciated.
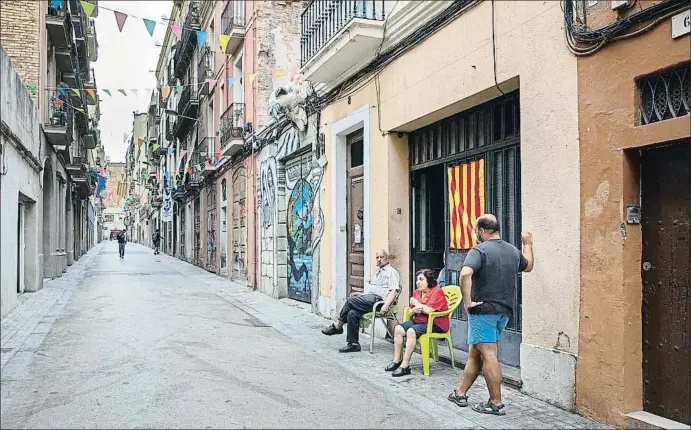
point(356, 212)
point(666, 276)
point(239, 261)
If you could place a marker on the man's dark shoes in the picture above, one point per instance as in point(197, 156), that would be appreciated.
point(350, 347)
point(401, 371)
point(332, 330)
point(393, 366)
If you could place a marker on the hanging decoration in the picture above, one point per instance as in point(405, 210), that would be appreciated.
point(120, 18)
point(150, 25)
point(88, 8)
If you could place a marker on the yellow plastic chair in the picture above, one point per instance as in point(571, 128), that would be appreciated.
point(453, 298)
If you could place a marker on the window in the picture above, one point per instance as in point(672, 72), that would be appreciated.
point(665, 95)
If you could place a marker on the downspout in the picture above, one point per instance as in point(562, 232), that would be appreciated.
point(254, 160)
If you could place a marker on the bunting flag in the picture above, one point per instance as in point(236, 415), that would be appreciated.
point(231, 81)
point(77, 92)
point(223, 41)
point(252, 76)
point(278, 73)
point(120, 18)
point(177, 30)
point(217, 155)
point(92, 93)
point(123, 92)
point(201, 37)
point(124, 137)
point(61, 102)
point(135, 92)
point(466, 202)
point(164, 93)
point(88, 8)
point(150, 25)
point(182, 154)
point(62, 91)
point(288, 45)
point(140, 142)
point(188, 170)
point(179, 89)
point(78, 109)
point(108, 92)
point(32, 88)
point(155, 146)
point(56, 3)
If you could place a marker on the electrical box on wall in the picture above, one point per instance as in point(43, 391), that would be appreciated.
point(619, 4)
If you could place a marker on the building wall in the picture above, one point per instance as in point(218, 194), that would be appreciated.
point(609, 378)
point(422, 87)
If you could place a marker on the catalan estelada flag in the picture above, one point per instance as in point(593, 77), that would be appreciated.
point(466, 202)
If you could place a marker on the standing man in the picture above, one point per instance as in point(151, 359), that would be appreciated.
point(384, 287)
point(157, 240)
point(121, 243)
point(488, 284)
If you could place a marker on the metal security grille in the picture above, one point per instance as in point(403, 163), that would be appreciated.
point(491, 132)
point(665, 95)
point(211, 228)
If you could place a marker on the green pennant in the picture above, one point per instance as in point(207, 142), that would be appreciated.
point(179, 88)
point(88, 8)
point(32, 88)
point(107, 92)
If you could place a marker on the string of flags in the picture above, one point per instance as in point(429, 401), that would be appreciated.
point(150, 25)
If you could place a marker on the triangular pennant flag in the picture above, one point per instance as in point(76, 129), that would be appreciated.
point(231, 81)
point(56, 3)
point(61, 102)
point(164, 92)
point(182, 154)
point(279, 73)
point(135, 92)
point(78, 109)
point(62, 91)
point(120, 18)
point(139, 143)
point(223, 40)
point(124, 136)
point(252, 76)
point(77, 92)
point(201, 37)
point(288, 45)
point(177, 30)
point(88, 8)
point(92, 93)
point(32, 88)
point(150, 25)
point(123, 92)
point(107, 92)
point(155, 147)
point(188, 170)
point(180, 88)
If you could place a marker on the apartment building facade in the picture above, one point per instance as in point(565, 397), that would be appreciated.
point(50, 133)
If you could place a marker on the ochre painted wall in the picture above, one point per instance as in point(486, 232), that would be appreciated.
point(609, 370)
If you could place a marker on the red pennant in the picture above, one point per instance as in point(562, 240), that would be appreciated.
point(177, 30)
point(120, 18)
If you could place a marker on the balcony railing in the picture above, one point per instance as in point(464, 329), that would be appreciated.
point(185, 50)
point(322, 20)
point(232, 122)
point(205, 70)
point(60, 118)
point(232, 17)
point(188, 98)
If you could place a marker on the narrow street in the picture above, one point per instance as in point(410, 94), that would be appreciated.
point(150, 341)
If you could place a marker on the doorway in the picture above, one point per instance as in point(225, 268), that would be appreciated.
point(21, 247)
point(666, 280)
point(224, 228)
point(428, 218)
point(355, 223)
point(239, 261)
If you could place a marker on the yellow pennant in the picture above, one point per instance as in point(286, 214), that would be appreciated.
point(252, 76)
point(77, 92)
point(223, 40)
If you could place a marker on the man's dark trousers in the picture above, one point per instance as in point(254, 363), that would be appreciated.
point(352, 312)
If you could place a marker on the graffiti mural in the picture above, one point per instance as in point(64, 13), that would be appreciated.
point(304, 225)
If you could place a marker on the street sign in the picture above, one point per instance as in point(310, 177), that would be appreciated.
point(681, 24)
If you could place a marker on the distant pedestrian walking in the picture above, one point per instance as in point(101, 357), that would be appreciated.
point(488, 284)
point(157, 240)
point(121, 243)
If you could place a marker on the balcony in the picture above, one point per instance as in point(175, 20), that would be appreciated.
point(185, 50)
point(231, 132)
point(92, 139)
point(205, 70)
point(337, 37)
point(64, 59)
point(78, 19)
point(76, 167)
point(188, 107)
point(92, 41)
point(58, 130)
point(157, 201)
point(169, 129)
point(233, 24)
point(178, 193)
point(59, 26)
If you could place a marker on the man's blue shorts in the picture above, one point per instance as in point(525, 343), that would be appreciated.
point(485, 328)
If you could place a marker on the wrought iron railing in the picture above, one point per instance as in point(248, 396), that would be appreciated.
point(231, 17)
point(322, 20)
point(188, 94)
point(232, 122)
point(185, 49)
point(205, 68)
point(61, 11)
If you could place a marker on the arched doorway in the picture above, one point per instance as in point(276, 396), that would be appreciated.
point(47, 249)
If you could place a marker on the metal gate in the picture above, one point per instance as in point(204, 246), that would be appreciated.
point(211, 228)
point(666, 277)
point(489, 133)
point(197, 231)
point(239, 262)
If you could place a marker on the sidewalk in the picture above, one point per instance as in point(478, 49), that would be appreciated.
point(302, 326)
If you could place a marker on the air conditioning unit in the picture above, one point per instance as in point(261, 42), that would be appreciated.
point(619, 4)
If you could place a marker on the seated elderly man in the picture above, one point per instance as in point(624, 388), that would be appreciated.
point(384, 287)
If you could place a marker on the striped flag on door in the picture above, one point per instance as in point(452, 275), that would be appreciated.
point(466, 202)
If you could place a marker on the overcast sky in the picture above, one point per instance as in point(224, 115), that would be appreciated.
point(124, 61)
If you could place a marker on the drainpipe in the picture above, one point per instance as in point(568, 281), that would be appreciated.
point(254, 160)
